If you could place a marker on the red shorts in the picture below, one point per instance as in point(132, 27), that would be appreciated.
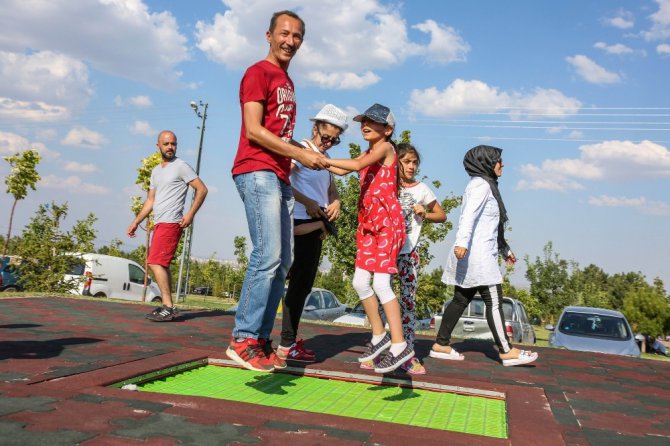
point(164, 243)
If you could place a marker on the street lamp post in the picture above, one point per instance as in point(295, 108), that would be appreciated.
point(188, 236)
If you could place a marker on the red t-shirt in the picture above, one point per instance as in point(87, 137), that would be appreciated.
point(269, 84)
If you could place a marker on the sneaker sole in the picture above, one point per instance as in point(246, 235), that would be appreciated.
point(379, 351)
point(235, 357)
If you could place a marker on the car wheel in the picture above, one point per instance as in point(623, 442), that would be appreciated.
point(10, 289)
point(157, 299)
point(100, 294)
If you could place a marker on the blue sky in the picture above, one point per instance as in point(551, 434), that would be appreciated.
point(576, 93)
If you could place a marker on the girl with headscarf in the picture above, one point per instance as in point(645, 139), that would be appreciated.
point(472, 266)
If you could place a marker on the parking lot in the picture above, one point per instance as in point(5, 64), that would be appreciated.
point(58, 354)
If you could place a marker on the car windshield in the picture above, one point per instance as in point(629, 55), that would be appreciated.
point(594, 325)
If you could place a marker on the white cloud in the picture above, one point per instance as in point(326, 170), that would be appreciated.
point(660, 28)
point(83, 137)
point(618, 48)
point(592, 72)
point(606, 161)
point(142, 128)
point(119, 37)
point(74, 166)
point(446, 45)
point(44, 77)
point(236, 39)
point(11, 109)
point(622, 19)
point(576, 134)
point(72, 184)
point(663, 49)
point(474, 96)
point(342, 80)
point(46, 133)
point(136, 101)
point(641, 203)
point(11, 143)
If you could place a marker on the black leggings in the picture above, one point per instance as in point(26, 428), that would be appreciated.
point(306, 256)
point(492, 296)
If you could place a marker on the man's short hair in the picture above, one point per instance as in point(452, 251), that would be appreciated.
point(273, 20)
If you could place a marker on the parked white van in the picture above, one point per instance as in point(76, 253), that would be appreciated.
point(101, 275)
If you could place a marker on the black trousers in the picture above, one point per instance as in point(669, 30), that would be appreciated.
point(306, 255)
point(492, 296)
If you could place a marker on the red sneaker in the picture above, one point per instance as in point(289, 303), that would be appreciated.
point(249, 354)
point(299, 345)
point(296, 353)
point(270, 353)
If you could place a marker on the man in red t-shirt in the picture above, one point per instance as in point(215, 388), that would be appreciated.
point(261, 173)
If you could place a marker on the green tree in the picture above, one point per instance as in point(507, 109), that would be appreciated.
point(240, 252)
point(647, 310)
point(48, 251)
point(549, 282)
point(23, 176)
point(341, 251)
point(143, 180)
point(114, 249)
point(590, 287)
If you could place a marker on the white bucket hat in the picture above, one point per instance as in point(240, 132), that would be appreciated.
point(332, 115)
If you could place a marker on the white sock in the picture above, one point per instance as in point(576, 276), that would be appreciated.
point(396, 349)
point(376, 339)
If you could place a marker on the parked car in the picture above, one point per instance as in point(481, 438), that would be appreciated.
point(101, 275)
point(473, 325)
point(590, 329)
point(357, 317)
point(320, 305)
point(9, 277)
point(202, 290)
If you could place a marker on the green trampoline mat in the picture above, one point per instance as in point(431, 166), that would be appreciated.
point(413, 407)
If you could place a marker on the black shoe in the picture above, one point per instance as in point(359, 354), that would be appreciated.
point(163, 314)
point(390, 362)
point(374, 350)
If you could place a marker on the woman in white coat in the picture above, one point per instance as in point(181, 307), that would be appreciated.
point(472, 266)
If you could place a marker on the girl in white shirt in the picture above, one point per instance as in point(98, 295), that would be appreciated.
point(472, 266)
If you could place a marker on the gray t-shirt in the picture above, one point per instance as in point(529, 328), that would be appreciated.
point(171, 184)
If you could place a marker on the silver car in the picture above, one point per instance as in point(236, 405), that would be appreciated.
point(472, 324)
point(590, 329)
point(322, 305)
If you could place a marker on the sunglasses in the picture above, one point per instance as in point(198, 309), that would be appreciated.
point(327, 138)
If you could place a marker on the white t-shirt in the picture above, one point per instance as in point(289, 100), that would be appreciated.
point(409, 196)
point(478, 232)
point(171, 184)
point(311, 183)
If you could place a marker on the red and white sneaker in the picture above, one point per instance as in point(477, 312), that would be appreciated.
point(296, 352)
point(249, 354)
point(270, 353)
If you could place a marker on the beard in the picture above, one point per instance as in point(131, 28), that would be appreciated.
point(167, 156)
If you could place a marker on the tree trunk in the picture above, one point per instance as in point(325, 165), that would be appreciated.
point(9, 231)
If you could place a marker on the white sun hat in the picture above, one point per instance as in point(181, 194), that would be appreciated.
point(332, 115)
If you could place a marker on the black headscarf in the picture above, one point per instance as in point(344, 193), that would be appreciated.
point(479, 162)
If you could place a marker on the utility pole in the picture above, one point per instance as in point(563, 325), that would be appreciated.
point(188, 236)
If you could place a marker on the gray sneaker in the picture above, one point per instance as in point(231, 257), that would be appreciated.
point(389, 363)
point(374, 350)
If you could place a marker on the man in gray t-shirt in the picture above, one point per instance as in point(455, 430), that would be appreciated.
point(167, 193)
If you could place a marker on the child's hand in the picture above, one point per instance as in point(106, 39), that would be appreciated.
point(419, 210)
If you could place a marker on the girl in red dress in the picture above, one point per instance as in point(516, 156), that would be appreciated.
point(380, 235)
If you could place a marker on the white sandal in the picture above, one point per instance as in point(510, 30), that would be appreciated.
point(453, 355)
point(525, 357)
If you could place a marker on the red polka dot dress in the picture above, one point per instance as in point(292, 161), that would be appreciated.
point(381, 226)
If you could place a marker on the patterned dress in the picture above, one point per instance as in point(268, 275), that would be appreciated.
point(381, 226)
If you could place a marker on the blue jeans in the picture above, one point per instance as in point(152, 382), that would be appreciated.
point(268, 203)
